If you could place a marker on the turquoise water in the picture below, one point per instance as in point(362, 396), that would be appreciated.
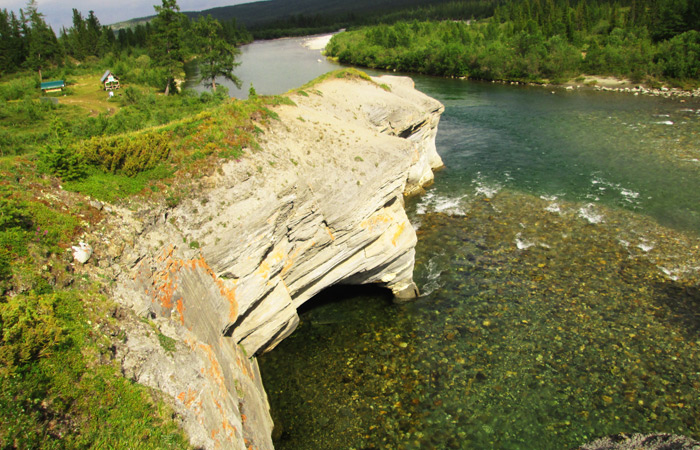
point(558, 258)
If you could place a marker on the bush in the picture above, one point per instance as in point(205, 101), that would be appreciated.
point(129, 155)
point(18, 89)
point(29, 329)
point(132, 96)
point(62, 162)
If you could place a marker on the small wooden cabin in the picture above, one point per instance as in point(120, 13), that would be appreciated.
point(109, 81)
point(53, 86)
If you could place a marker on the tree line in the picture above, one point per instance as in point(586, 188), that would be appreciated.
point(170, 39)
point(305, 24)
point(538, 40)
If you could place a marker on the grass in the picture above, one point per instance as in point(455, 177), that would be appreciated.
point(68, 397)
point(348, 73)
point(88, 94)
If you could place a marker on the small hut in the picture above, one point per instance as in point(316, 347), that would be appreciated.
point(53, 86)
point(109, 81)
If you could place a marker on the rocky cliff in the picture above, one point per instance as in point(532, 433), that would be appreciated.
point(224, 272)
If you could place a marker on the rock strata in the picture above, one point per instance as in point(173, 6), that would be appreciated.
point(224, 272)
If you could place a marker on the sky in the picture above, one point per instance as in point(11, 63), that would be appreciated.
point(59, 13)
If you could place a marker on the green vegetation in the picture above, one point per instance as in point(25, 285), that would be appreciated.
point(160, 48)
point(61, 385)
point(278, 18)
point(217, 56)
point(541, 41)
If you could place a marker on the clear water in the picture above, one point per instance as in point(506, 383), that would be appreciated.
point(558, 256)
point(273, 67)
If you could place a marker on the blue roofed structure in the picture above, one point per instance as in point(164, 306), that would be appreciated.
point(52, 86)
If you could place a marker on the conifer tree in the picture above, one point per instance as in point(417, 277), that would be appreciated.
point(167, 47)
point(43, 47)
point(216, 56)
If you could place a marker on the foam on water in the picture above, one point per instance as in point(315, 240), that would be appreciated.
point(487, 189)
point(629, 195)
point(553, 208)
point(603, 187)
point(433, 277)
point(523, 244)
point(645, 246)
point(588, 212)
point(435, 203)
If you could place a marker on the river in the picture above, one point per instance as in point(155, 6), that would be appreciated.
point(559, 260)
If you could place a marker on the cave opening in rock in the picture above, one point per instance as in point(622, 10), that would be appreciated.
point(335, 356)
point(342, 296)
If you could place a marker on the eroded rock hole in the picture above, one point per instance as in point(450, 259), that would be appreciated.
point(314, 375)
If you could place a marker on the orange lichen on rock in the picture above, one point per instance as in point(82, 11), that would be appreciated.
point(266, 266)
point(181, 311)
point(293, 256)
point(376, 220)
point(229, 429)
point(330, 233)
point(399, 231)
point(187, 398)
point(165, 283)
point(214, 370)
point(245, 367)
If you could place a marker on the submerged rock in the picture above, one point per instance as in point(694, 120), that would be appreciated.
point(624, 441)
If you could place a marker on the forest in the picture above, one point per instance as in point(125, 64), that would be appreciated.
point(540, 41)
point(28, 43)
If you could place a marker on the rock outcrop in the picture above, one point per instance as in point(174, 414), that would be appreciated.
point(224, 272)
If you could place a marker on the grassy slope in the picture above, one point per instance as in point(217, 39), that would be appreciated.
point(60, 386)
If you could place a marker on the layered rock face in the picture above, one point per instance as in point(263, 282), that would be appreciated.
point(224, 272)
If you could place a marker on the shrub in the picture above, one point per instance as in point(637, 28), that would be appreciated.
point(29, 329)
point(62, 162)
point(132, 95)
point(18, 88)
point(13, 213)
point(129, 155)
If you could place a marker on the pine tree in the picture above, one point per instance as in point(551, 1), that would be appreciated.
point(6, 60)
point(93, 33)
point(43, 48)
point(216, 56)
point(167, 48)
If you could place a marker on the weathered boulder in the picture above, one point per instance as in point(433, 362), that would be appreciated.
point(224, 272)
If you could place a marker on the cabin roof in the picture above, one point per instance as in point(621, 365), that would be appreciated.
point(104, 77)
point(53, 84)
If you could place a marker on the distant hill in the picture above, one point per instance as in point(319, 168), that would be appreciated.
point(263, 13)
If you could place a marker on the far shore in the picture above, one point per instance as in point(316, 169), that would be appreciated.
point(318, 42)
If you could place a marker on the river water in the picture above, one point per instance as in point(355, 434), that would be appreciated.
point(559, 260)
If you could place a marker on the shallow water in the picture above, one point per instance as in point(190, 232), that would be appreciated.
point(558, 257)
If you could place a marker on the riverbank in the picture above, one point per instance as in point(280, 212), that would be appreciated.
point(318, 42)
point(610, 84)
